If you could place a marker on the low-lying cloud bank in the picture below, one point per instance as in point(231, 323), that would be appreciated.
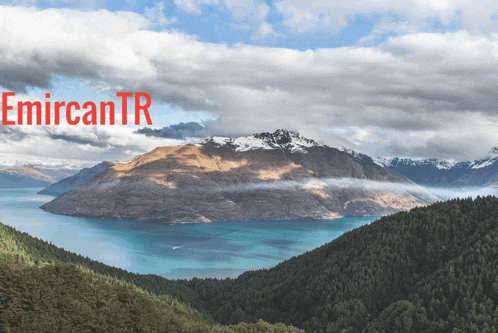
point(337, 184)
point(313, 184)
point(451, 193)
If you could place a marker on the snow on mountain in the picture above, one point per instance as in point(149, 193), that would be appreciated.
point(390, 162)
point(250, 143)
point(478, 164)
point(439, 164)
point(382, 161)
point(280, 139)
point(220, 140)
point(435, 172)
point(352, 152)
point(365, 159)
point(445, 165)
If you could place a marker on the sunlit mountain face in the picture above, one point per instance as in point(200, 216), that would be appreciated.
point(266, 176)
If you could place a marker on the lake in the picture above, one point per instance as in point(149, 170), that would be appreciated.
point(218, 249)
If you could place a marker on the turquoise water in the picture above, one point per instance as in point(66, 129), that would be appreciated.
point(220, 249)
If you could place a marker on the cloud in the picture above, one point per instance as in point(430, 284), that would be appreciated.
point(421, 93)
point(8, 134)
point(88, 145)
point(406, 15)
point(240, 10)
point(98, 141)
point(17, 81)
point(194, 6)
point(83, 4)
point(48, 145)
point(246, 14)
point(179, 131)
point(305, 21)
point(247, 9)
point(266, 30)
point(156, 17)
point(451, 193)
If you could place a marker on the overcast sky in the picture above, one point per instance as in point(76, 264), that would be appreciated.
point(387, 78)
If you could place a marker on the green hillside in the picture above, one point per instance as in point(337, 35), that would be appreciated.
point(41, 293)
point(433, 269)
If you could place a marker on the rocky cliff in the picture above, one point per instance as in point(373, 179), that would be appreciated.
point(265, 176)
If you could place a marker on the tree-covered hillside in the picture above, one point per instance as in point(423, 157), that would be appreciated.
point(433, 269)
point(38, 294)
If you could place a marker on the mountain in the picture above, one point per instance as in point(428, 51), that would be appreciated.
point(24, 177)
point(46, 289)
point(433, 172)
point(266, 176)
point(55, 172)
point(69, 183)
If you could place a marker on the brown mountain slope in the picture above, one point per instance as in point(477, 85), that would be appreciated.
point(233, 181)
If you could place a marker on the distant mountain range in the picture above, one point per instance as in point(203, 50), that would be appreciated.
point(266, 176)
point(32, 176)
point(24, 177)
point(76, 180)
point(434, 172)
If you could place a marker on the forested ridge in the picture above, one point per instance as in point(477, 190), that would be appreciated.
point(433, 269)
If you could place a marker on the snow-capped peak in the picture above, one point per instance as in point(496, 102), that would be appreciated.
point(280, 139)
point(382, 161)
point(482, 163)
point(352, 152)
point(365, 159)
point(396, 161)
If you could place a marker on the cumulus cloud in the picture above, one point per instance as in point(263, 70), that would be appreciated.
point(305, 21)
point(266, 30)
point(247, 14)
point(306, 16)
point(421, 93)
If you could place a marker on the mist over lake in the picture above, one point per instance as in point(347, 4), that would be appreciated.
point(219, 249)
